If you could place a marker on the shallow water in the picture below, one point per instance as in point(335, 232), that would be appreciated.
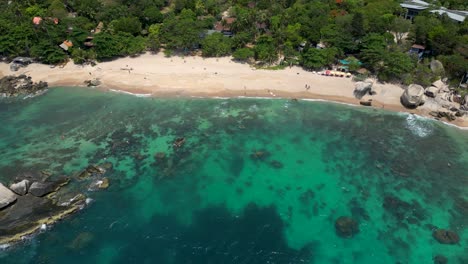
point(257, 181)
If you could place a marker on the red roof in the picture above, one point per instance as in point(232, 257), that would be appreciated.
point(227, 24)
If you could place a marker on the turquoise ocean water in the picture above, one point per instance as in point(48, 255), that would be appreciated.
point(257, 181)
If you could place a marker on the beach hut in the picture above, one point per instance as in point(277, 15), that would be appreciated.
point(66, 45)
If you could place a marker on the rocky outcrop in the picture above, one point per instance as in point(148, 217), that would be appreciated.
point(20, 188)
point(362, 88)
point(431, 91)
point(444, 236)
point(7, 197)
point(464, 105)
point(91, 170)
point(11, 86)
point(29, 214)
point(413, 96)
point(93, 82)
point(26, 214)
point(40, 189)
point(447, 115)
point(346, 226)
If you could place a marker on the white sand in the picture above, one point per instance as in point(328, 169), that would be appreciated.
point(197, 76)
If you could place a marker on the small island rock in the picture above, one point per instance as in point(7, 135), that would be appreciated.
point(20, 188)
point(7, 197)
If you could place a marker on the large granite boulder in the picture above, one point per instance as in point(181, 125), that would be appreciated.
point(413, 96)
point(346, 226)
point(464, 105)
point(20, 188)
point(437, 67)
point(445, 236)
point(431, 91)
point(7, 197)
point(40, 189)
point(362, 88)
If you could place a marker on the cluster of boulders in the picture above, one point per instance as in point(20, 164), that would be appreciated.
point(363, 91)
point(11, 86)
point(34, 201)
point(24, 187)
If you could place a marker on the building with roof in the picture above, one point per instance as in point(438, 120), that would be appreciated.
point(457, 15)
point(414, 7)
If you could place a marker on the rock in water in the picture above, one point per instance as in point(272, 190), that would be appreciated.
point(103, 184)
point(413, 96)
point(362, 88)
point(6, 196)
point(444, 236)
point(346, 226)
point(20, 188)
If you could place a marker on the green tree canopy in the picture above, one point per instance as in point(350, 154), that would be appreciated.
point(216, 45)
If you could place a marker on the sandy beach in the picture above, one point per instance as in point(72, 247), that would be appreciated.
point(157, 75)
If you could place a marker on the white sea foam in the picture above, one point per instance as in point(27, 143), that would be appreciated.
point(4, 246)
point(129, 93)
point(419, 126)
point(35, 94)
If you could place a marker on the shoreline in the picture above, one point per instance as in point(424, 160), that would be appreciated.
point(159, 76)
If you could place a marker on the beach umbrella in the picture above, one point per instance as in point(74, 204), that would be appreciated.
point(327, 72)
point(348, 75)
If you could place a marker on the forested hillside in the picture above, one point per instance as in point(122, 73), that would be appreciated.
point(314, 34)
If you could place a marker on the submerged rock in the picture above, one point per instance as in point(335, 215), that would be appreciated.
point(7, 197)
point(439, 259)
point(413, 96)
point(445, 236)
point(346, 226)
point(179, 142)
point(20, 188)
point(81, 241)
